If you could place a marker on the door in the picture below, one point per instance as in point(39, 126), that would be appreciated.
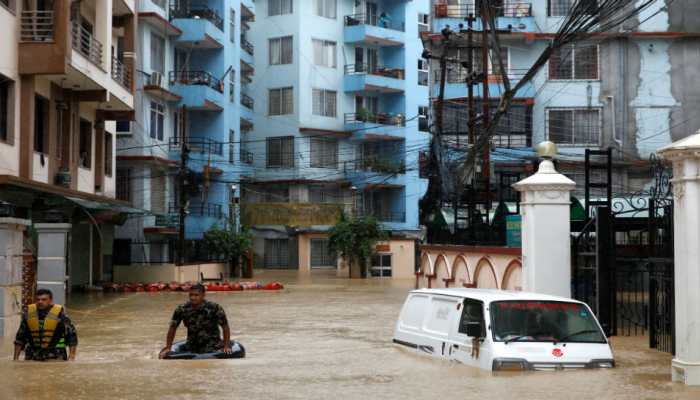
point(469, 350)
point(372, 60)
point(359, 59)
point(371, 13)
point(381, 266)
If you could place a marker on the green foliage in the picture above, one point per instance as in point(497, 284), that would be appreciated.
point(227, 242)
point(354, 238)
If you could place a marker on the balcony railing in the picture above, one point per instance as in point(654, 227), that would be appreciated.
point(121, 73)
point(37, 26)
point(168, 220)
point(374, 20)
point(198, 145)
point(376, 118)
point(380, 165)
point(196, 78)
point(196, 10)
point(361, 68)
point(86, 44)
point(247, 46)
point(385, 216)
point(512, 10)
point(246, 156)
point(199, 210)
point(247, 101)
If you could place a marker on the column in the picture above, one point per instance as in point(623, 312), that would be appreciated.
point(685, 155)
point(11, 247)
point(52, 250)
point(546, 231)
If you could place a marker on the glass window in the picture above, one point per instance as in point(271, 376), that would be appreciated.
point(574, 126)
point(324, 102)
point(281, 50)
point(279, 7)
point(6, 109)
point(157, 54)
point(574, 62)
point(281, 101)
point(108, 154)
point(85, 145)
point(326, 8)
point(124, 184)
point(325, 53)
point(232, 26)
point(41, 129)
point(280, 152)
point(321, 256)
point(157, 120)
point(231, 147)
point(472, 313)
point(232, 86)
point(276, 253)
point(544, 321)
point(423, 23)
point(423, 72)
point(324, 153)
point(423, 125)
point(381, 266)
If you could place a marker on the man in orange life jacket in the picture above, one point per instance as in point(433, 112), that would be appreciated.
point(46, 331)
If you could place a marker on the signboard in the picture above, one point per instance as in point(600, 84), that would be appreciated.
point(513, 231)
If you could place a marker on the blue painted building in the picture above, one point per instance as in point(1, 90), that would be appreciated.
point(195, 62)
point(342, 120)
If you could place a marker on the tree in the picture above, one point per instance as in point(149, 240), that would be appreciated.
point(354, 239)
point(228, 243)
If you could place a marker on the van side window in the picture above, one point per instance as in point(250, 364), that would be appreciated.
point(472, 311)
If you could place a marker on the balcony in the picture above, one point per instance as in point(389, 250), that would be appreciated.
point(200, 90)
point(290, 214)
point(247, 101)
point(367, 124)
point(210, 210)
point(86, 44)
point(247, 46)
point(373, 30)
point(202, 27)
point(198, 145)
point(513, 15)
point(120, 73)
point(373, 79)
point(385, 216)
point(456, 87)
point(37, 26)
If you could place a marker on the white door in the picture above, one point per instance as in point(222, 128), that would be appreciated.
point(466, 349)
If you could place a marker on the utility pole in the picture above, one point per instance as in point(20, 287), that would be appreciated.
point(485, 167)
point(182, 180)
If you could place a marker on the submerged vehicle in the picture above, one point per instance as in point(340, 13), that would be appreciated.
point(503, 330)
point(237, 351)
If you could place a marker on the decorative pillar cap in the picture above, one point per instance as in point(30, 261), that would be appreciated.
point(684, 147)
point(547, 178)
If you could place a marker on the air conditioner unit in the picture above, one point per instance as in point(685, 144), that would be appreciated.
point(155, 79)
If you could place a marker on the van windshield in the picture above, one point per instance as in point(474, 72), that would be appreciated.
point(543, 321)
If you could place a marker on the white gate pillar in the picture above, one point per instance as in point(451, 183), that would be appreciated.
point(685, 155)
point(546, 231)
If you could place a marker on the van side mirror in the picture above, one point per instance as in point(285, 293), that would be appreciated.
point(474, 329)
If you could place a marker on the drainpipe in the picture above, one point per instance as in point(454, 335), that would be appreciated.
point(90, 260)
point(611, 101)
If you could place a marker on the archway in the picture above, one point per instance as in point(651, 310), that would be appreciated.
point(512, 279)
point(441, 272)
point(485, 275)
point(426, 270)
point(460, 272)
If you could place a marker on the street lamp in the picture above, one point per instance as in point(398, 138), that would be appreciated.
point(232, 208)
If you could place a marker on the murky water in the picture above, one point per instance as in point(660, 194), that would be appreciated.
point(317, 339)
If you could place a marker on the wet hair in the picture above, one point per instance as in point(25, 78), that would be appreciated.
point(44, 292)
point(198, 287)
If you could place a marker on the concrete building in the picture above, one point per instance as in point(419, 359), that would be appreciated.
point(343, 112)
point(195, 63)
point(66, 71)
point(626, 89)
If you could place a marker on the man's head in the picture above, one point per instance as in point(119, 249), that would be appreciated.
point(197, 293)
point(44, 299)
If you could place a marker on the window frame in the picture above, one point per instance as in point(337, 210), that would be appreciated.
point(573, 78)
point(41, 124)
point(323, 153)
point(573, 143)
point(282, 258)
point(159, 113)
point(282, 94)
point(324, 6)
point(326, 57)
point(109, 154)
point(281, 59)
point(232, 25)
point(161, 41)
point(325, 109)
point(7, 108)
point(279, 9)
point(123, 184)
point(286, 158)
point(85, 144)
point(326, 256)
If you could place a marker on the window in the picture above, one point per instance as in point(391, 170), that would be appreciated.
point(276, 253)
point(158, 192)
point(561, 8)
point(280, 152)
point(279, 7)
point(321, 256)
point(472, 313)
point(123, 127)
point(281, 101)
point(381, 266)
point(324, 102)
point(108, 154)
point(278, 194)
point(85, 145)
point(124, 184)
point(574, 62)
point(281, 50)
point(41, 128)
point(232, 86)
point(176, 125)
point(159, 3)
point(422, 72)
point(232, 26)
point(325, 53)
point(579, 127)
point(7, 134)
point(324, 153)
point(423, 23)
point(157, 54)
point(423, 125)
point(322, 194)
point(157, 120)
point(325, 8)
point(231, 147)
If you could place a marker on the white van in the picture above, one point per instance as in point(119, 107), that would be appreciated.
point(503, 330)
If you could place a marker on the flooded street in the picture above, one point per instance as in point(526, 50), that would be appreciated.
point(318, 339)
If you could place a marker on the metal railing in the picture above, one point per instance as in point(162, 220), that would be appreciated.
point(246, 156)
point(196, 78)
point(198, 145)
point(121, 73)
point(380, 118)
point(511, 10)
point(381, 21)
point(364, 68)
point(385, 216)
point(86, 44)
point(167, 220)
point(196, 10)
point(199, 210)
point(37, 26)
point(380, 165)
point(247, 46)
point(247, 101)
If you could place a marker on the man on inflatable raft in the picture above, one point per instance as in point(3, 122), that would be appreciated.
point(202, 319)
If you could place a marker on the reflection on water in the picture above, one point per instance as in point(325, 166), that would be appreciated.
point(320, 338)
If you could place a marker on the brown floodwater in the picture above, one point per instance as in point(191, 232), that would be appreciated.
point(320, 338)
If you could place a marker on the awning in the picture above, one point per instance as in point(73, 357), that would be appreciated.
point(105, 206)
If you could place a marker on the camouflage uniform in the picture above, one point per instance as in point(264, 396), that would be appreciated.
point(68, 338)
point(202, 326)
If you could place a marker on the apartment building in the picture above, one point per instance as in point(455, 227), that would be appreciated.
point(195, 63)
point(65, 79)
point(626, 89)
point(343, 112)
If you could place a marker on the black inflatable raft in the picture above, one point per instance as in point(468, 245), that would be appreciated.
point(237, 351)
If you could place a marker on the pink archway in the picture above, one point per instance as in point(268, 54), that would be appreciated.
point(512, 279)
point(426, 270)
point(441, 272)
point(460, 272)
point(485, 275)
